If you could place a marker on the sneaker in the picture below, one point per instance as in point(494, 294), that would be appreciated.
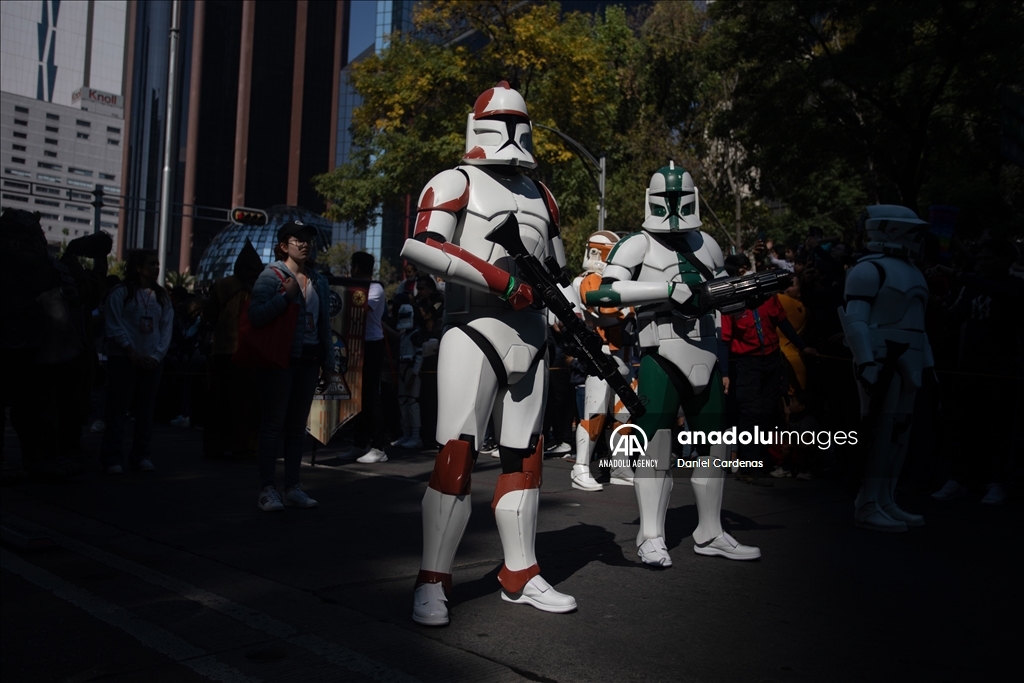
point(181, 421)
point(780, 473)
point(412, 444)
point(569, 457)
point(871, 516)
point(621, 476)
point(654, 552)
point(558, 449)
point(995, 495)
point(724, 545)
point(540, 594)
point(146, 465)
point(805, 476)
point(98, 427)
point(115, 469)
point(373, 455)
point(950, 490)
point(428, 606)
point(295, 497)
point(270, 499)
point(399, 440)
point(582, 479)
point(489, 448)
point(352, 452)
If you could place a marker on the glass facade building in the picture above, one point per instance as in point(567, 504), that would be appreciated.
point(219, 259)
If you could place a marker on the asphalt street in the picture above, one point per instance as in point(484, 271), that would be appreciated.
point(178, 576)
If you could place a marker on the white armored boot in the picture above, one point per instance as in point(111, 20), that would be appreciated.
point(580, 476)
point(516, 515)
point(445, 516)
point(653, 487)
point(444, 521)
point(875, 489)
point(888, 493)
point(709, 538)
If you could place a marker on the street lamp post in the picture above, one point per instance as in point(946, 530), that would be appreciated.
point(169, 155)
point(599, 165)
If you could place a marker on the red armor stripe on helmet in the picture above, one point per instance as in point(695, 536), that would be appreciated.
point(514, 581)
point(496, 278)
point(475, 153)
point(453, 468)
point(552, 206)
point(480, 106)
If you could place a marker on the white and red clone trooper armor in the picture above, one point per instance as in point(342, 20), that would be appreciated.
point(491, 365)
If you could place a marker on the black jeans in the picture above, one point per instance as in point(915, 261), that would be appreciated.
point(757, 388)
point(285, 397)
point(369, 429)
point(125, 380)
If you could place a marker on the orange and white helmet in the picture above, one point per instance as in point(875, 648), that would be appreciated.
point(498, 130)
point(599, 245)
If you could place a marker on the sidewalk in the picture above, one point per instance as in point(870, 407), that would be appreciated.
point(826, 602)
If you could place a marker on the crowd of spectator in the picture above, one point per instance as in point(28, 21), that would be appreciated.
point(84, 350)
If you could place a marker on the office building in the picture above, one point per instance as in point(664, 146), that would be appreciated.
point(61, 117)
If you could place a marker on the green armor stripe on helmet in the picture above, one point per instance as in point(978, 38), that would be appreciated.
point(618, 244)
point(673, 178)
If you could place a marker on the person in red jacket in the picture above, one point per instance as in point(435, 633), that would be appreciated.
point(757, 367)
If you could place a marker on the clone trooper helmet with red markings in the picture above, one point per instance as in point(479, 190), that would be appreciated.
point(894, 230)
point(498, 130)
point(599, 245)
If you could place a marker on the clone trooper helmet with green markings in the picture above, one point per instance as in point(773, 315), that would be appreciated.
point(672, 201)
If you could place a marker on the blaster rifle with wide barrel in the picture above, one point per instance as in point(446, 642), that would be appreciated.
point(733, 294)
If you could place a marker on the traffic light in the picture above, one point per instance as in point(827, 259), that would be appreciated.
point(241, 215)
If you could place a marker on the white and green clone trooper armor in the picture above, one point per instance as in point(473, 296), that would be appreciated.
point(653, 271)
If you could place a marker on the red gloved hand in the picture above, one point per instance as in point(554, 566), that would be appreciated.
point(520, 294)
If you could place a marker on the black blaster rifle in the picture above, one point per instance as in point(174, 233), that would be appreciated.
point(545, 285)
point(733, 294)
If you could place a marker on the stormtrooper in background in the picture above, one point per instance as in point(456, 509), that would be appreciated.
point(599, 399)
point(653, 270)
point(886, 298)
point(491, 359)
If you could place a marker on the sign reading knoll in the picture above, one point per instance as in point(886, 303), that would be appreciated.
point(83, 95)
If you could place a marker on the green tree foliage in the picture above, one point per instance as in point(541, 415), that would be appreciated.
point(845, 103)
point(789, 114)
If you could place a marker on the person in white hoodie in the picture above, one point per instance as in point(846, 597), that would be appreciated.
point(139, 319)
